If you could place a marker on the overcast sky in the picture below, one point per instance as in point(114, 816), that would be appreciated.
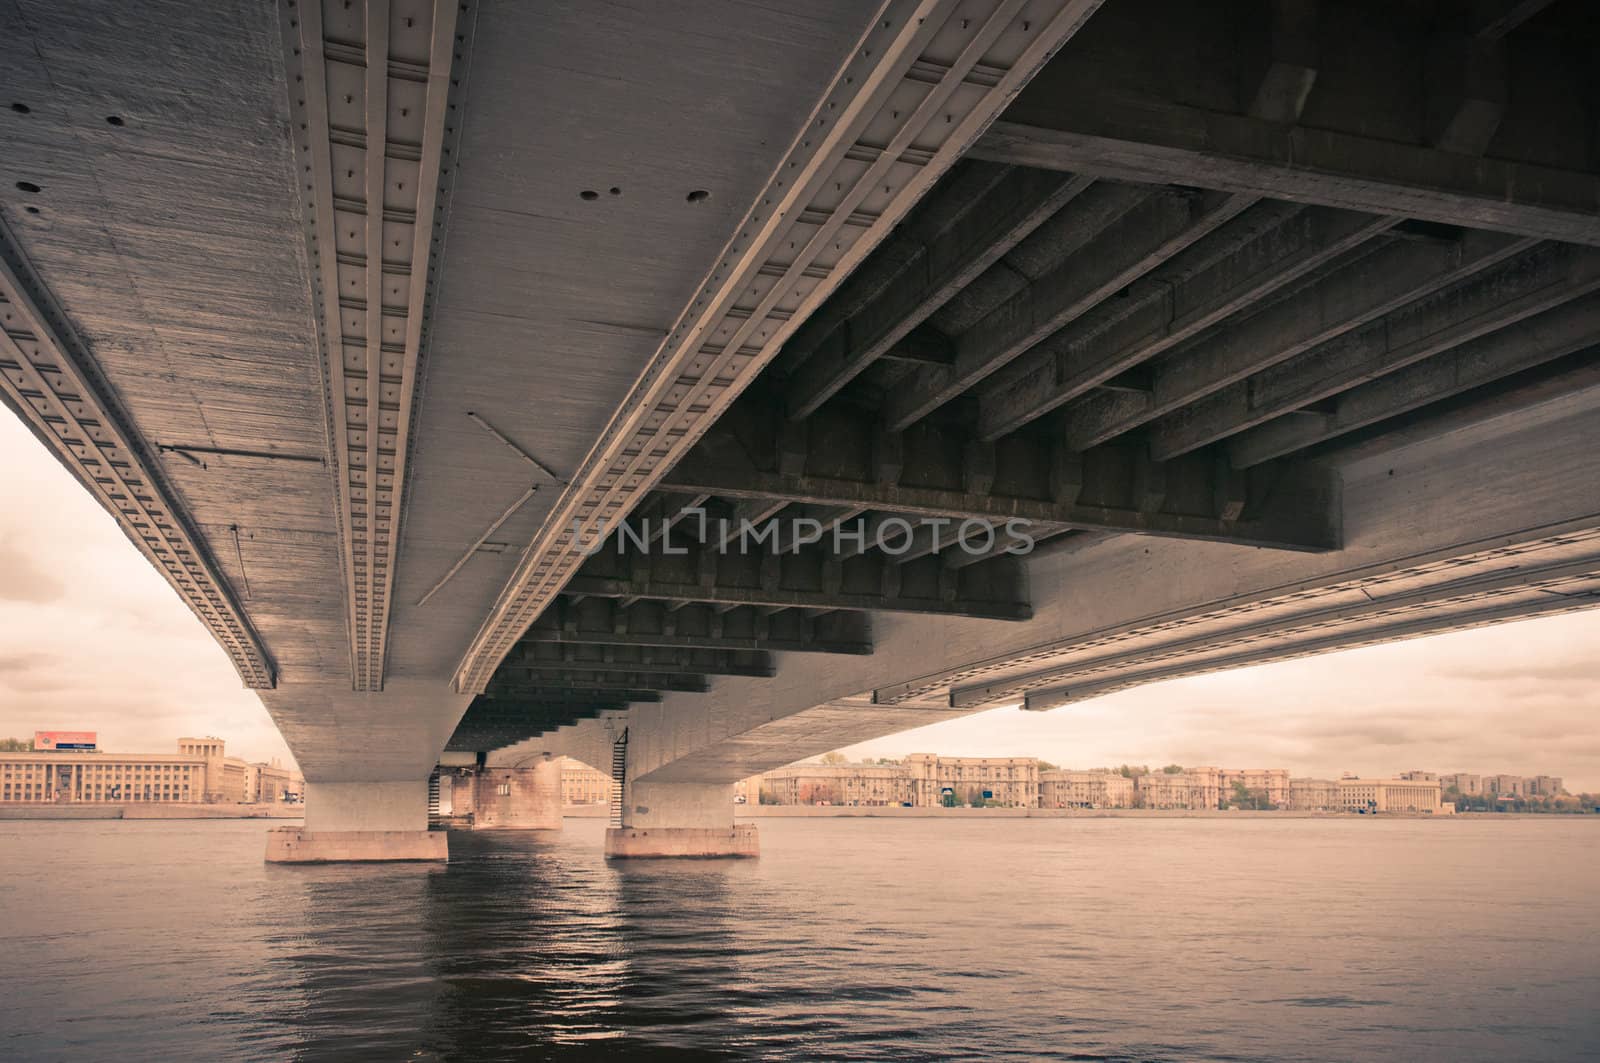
point(91, 638)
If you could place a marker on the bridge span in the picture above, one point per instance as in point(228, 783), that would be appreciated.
point(697, 387)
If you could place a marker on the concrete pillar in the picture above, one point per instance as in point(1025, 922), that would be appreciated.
point(681, 820)
point(357, 821)
point(522, 798)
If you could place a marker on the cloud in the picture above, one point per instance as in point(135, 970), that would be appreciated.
point(1509, 698)
point(93, 638)
point(17, 663)
point(1572, 671)
point(22, 579)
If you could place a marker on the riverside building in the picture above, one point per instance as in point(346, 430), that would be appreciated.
point(1313, 795)
point(1085, 789)
point(1195, 788)
point(1470, 785)
point(1008, 780)
point(583, 785)
point(199, 773)
point(1355, 794)
point(1389, 795)
point(1269, 783)
point(922, 778)
point(841, 784)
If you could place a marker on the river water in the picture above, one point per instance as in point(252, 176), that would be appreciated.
point(1084, 939)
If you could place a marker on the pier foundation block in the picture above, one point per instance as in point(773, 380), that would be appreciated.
point(687, 820)
point(360, 821)
point(740, 840)
point(296, 845)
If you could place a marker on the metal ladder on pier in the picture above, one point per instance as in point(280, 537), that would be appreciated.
point(619, 776)
point(433, 800)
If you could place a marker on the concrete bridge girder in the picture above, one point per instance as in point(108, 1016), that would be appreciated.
point(1432, 544)
point(1407, 322)
point(1355, 302)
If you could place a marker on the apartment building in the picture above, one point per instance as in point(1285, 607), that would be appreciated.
point(1008, 780)
point(838, 784)
point(1272, 784)
point(1196, 788)
point(1085, 789)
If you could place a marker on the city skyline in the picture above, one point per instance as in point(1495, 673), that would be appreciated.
point(98, 641)
point(1154, 767)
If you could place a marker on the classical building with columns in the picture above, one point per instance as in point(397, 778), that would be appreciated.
point(1193, 788)
point(583, 785)
point(1389, 795)
point(1313, 795)
point(1085, 789)
point(1270, 783)
point(199, 773)
point(1010, 780)
point(838, 784)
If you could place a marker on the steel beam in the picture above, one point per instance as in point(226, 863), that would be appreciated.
point(618, 686)
point(1159, 312)
point(1146, 230)
point(1237, 153)
point(786, 598)
point(1011, 210)
point(1543, 340)
point(1050, 489)
point(1538, 307)
point(1375, 284)
point(562, 658)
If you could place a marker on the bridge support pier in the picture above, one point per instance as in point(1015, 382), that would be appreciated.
point(680, 820)
point(360, 821)
point(521, 798)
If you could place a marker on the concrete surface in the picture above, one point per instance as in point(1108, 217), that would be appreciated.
point(296, 845)
point(739, 840)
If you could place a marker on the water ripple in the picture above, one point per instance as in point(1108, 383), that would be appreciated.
point(1025, 939)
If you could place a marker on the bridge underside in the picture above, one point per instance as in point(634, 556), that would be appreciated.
point(1253, 407)
point(1067, 345)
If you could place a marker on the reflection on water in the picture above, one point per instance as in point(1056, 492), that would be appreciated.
point(848, 939)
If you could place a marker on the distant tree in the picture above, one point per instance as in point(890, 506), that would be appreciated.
point(15, 745)
point(768, 797)
point(1045, 765)
point(1173, 769)
point(813, 793)
point(1245, 797)
point(887, 760)
point(975, 797)
point(835, 758)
